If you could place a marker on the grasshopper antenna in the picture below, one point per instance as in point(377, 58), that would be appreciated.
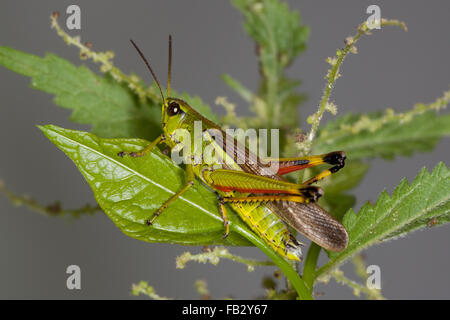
point(149, 68)
point(169, 68)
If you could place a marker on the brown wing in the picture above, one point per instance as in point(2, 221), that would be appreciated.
point(314, 223)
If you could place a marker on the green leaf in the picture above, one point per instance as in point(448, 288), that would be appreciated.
point(426, 222)
point(130, 189)
point(279, 37)
point(277, 31)
point(111, 108)
point(411, 207)
point(387, 140)
point(289, 100)
point(234, 84)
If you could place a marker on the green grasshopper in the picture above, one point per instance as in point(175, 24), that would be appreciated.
point(268, 203)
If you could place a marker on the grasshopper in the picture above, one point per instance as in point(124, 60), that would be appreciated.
point(268, 203)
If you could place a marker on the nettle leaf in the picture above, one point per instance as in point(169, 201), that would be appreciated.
point(276, 30)
point(388, 140)
point(111, 108)
point(130, 189)
point(427, 221)
point(289, 100)
point(279, 37)
point(411, 207)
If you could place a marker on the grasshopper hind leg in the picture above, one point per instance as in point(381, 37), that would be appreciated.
point(337, 159)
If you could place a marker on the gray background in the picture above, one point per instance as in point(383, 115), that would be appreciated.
point(393, 69)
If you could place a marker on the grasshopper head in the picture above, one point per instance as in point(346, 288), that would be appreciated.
point(174, 114)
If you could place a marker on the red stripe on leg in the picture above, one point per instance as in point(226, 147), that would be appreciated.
point(284, 170)
point(241, 190)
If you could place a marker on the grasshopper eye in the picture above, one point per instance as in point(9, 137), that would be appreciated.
point(173, 109)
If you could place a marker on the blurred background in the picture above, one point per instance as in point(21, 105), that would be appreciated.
point(392, 69)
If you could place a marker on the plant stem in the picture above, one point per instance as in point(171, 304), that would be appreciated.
point(332, 75)
point(51, 210)
point(290, 273)
point(364, 123)
point(373, 294)
point(214, 256)
point(134, 83)
point(309, 269)
point(144, 289)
